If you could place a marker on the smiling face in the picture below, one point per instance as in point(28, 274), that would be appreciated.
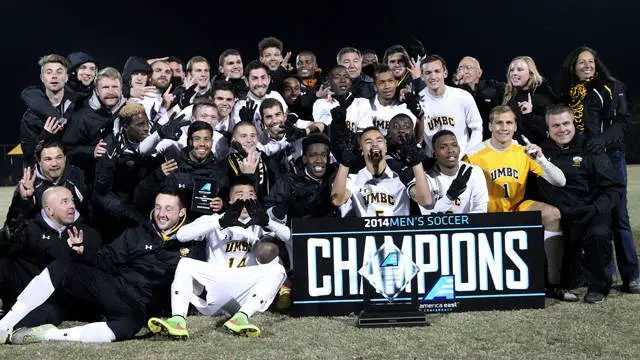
point(52, 162)
point(306, 66)
point(585, 65)
point(373, 145)
point(161, 75)
point(273, 120)
point(271, 57)
point(519, 74)
point(167, 211)
point(231, 67)
point(139, 79)
point(502, 127)
point(53, 76)
point(86, 72)
point(290, 90)
point(247, 136)
point(224, 100)
point(208, 114)
point(561, 128)
point(200, 74)
point(109, 92)
point(316, 159)
point(397, 64)
point(201, 143)
point(433, 74)
point(258, 82)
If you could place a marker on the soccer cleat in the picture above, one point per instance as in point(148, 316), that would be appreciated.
point(562, 294)
point(175, 327)
point(284, 298)
point(632, 287)
point(31, 335)
point(5, 335)
point(239, 325)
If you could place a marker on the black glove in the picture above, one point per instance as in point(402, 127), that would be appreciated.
point(416, 49)
point(350, 149)
point(186, 96)
point(339, 113)
point(459, 184)
point(582, 214)
point(291, 131)
point(257, 213)
point(413, 104)
point(595, 145)
point(172, 130)
point(248, 111)
point(232, 214)
point(240, 150)
point(411, 154)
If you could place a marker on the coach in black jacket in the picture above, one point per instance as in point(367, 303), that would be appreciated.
point(35, 243)
point(593, 189)
point(120, 279)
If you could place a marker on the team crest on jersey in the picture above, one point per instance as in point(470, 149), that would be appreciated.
point(184, 252)
point(577, 161)
point(380, 123)
point(504, 171)
point(378, 198)
point(439, 121)
point(234, 246)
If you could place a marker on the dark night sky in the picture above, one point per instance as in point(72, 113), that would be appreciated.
point(492, 31)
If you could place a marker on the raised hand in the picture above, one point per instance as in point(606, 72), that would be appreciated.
point(100, 149)
point(257, 213)
point(411, 155)
point(249, 164)
point(168, 97)
point(172, 130)
point(52, 125)
point(76, 240)
point(413, 104)
point(231, 217)
point(169, 166)
point(27, 182)
point(285, 62)
point(239, 149)
point(142, 92)
point(291, 131)
point(459, 184)
point(248, 111)
point(526, 106)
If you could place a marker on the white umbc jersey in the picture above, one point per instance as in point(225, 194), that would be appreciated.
point(230, 246)
point(382, 196)
point(257, 118)
point(379, 115)
point(455, 111)
point(473, 200)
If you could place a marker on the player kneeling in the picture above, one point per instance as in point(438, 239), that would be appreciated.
point(242, 274)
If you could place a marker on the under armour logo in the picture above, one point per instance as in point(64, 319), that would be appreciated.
point(47, 237)
point(182, 186)
point(148, 247)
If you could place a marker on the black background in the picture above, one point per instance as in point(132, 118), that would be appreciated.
point(492, 31)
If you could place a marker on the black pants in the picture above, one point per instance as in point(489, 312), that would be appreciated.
point(13, 279)
point(594, 238)
point(90, 287)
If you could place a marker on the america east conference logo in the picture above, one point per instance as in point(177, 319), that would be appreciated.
point(441, 297)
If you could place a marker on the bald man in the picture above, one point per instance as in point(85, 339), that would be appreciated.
point(487, 93)
point(31, 247)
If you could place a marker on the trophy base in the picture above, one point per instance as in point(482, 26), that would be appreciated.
point(391, 318)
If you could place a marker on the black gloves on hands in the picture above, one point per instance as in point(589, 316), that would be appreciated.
point(339, 113)
point(257, 213)
point(248, 111)
point(239, 149)
point(172, 130)
point(187, 96)
point(459, 184)
point(410, 154)
point(413, 104)
point(416, 49)
point(232, 214)
point(291, 131)
point(595, 145)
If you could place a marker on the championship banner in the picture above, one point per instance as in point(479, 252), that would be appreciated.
point(463, 262)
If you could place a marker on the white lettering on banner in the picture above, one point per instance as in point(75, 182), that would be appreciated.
point(325, 246)
point(475, 262)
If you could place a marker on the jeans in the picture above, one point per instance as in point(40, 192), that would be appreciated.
point(623, 243)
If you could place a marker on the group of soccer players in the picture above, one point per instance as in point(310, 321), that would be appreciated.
point(223, 163)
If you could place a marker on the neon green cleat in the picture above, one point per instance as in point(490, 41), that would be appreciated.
point(239, 325)
point(31, 335)
point(5, 336)
point(175, 327)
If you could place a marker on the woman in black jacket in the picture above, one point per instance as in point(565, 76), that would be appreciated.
point(528, 94)
point(602, 114)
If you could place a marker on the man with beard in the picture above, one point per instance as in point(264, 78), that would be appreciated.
point(362, 85)
point(51, 101)
point(270, 51)
point(230, 69)
point(51, 170)
point(358, 115)
point(94, 121)
point(257, 79)
point(299, 102)
point(405, 70)
point(225, 97)
point(376, 190)
point(448, 107)
point(486, 93)
point(155, 103)
point(39, 240)
point(456, 187)
point(120, 280)
point(83, 70)
point(176, 68)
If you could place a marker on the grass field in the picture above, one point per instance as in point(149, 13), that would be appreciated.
point(610, 330)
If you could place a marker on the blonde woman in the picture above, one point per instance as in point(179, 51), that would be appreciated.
point(528, 94)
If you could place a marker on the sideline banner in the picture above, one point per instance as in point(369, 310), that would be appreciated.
point(466, 262)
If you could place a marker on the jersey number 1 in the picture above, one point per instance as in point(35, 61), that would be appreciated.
point(505, 187)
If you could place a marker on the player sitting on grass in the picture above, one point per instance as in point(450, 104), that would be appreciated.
point(242, 274)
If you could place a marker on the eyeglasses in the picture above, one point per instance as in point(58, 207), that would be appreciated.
point(466, 68)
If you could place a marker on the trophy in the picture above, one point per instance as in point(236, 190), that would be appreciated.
point(388, 272)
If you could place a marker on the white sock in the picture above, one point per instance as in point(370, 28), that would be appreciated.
point(91, 333)
point(548, 234)
point(35, 294)
point(181, 290)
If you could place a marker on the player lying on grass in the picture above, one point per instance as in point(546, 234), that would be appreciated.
point(119, 280)
point(242, 274)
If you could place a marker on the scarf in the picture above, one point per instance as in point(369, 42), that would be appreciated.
point(577, 93)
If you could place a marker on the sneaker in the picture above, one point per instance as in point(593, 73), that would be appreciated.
point(593, 297)
point(31, 335)
point(239, 325)
point(563, 295)
point(632, 287)
point(175, 327)
point(284, 298)
point(5, 336)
